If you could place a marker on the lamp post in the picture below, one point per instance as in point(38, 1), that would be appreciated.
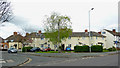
point(89, 28)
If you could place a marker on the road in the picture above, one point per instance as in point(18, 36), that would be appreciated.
point(37, 60)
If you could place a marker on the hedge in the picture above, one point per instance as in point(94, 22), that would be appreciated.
point(26, 49)
point(112, 49)
point(84, 48)
point(96, 48)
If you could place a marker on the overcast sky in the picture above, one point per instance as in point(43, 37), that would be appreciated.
point(29, 15)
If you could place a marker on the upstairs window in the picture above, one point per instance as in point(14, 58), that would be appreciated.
point(42, 38)
point(5, 41)
point(69, 45)
point(103, 32)
point(12, 40)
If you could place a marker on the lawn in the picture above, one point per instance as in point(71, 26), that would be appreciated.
point(47, 52)
point(106, 51)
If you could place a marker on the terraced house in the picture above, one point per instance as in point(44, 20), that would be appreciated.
point(77, 38)
point(112, 38)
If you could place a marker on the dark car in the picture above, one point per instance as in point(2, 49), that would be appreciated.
point(46, 49)
point(35, 49)
point(12, 50)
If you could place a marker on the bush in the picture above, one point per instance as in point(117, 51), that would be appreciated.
point(96, 48)
point(26, 49)
point(112, 49)
point(84, 48)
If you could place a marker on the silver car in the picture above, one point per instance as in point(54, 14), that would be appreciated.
point(12, 50)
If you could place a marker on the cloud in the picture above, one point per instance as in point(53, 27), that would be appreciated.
point(26, 24)
point(7, 29)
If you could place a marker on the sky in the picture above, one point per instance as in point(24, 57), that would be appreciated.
point(30, 14)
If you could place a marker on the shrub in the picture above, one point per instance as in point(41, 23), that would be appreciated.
point(84, 48)
point(96, 48)
point(26, 49)
point(112, 49)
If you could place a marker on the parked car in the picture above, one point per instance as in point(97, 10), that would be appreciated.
point(35, 49)
point(68, 49)
point(12, 50)
point(45, 49)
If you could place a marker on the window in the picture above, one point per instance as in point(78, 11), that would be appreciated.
point(11, 40)
point(103, 38)
point(42, 38)
point(5, 41)
point(48, 45)
point(69, 45)
point(69, 37)
point(42, 45)
point(103, 32)
point(55, 46)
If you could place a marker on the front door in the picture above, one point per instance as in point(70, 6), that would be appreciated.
point(63, 46)
point(15, 45)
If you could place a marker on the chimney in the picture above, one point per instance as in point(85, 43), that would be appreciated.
point(15, 33)
point(86, 30)
point(99, 32)
point(27, 34)
point(39, 31)
point(114, 30)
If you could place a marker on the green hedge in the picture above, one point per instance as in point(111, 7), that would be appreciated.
point(112, 49)
point(96, 48)
point(84, 48)
point(26, 49)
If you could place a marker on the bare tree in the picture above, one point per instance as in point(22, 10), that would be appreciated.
point(6, 13)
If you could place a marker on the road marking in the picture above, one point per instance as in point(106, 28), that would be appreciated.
point(27, 61)
point(2, 62)
point(84, 58)
point(9, 61)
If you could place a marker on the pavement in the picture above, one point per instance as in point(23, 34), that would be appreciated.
point(12, 59)
point(71, 55)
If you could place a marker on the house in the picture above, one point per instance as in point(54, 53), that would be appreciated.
point(3, 44)
point(77, 38)
point(82, 38)
point(15, 40)
point(112, 38)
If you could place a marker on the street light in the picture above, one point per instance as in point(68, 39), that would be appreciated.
point(89, 28)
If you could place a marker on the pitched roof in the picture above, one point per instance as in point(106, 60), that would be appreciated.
point(35, 35)
point(1, 39)
point(113, 33)
point(86, 34)
point(74, 34)
point(15, 38)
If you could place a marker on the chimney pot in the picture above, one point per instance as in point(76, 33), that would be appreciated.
point(27, 34)
point(39, 31)
point(86, 30)
point(99, 32)
point(114, 30)
point(15, 33)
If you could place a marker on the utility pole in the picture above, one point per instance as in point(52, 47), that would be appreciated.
point(89, 29)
